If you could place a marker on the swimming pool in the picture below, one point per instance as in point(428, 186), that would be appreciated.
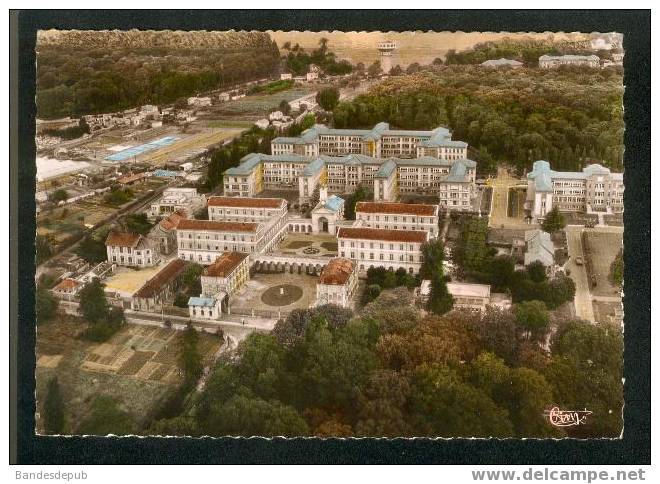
point(138, 150)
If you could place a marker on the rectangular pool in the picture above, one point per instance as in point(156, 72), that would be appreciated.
point(138, 150)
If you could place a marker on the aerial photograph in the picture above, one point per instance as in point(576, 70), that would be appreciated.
point(329, 234)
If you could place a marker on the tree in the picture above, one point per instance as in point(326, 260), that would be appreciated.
point(413, 68)
point(192, 279)
point(358, 195)
point(438, 61)
point(586, 372)
point(53, 409)
point(536, 271)
point(44, 248)
point(137, 223)
point(93, 304)
point(433, 255)
point(533, 317)
point(60, 195)
point(285, 107)
point(501, 270)
point(92, 250)
point(615, 275)
point(371, 292)
point(440, 301)
point(242, 415)
point(444, 406)
point(181, 300)
point(46, 304)
point(106, 418)
point(190, 360)
point(396, 70)
point(328, 98)
point(561, 289)
point(390, 280)
point(374, 70)
point(554, 221)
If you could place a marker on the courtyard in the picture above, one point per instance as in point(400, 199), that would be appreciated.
point(272, 294)
point(307, 245)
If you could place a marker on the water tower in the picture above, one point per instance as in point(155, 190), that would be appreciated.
point(386, 49)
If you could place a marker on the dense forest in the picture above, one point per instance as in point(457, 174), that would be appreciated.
point(79, 72)
point(394, 371)
point(568, 116)
point(524, 50)
point(298, 60)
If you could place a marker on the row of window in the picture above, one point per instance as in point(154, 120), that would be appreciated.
point(381, 256)
point(353, 244)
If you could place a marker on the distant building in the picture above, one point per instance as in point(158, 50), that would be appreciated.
point(203, 241)
point(285, 76)
point(161, 288)
point(131, 250)
point(497, 63)
point(199, 101)
point(228, 274)
point(132, 179)
point(67, 289)
point(398, 216)
point(553, 61)
point(163, 234)
point(539, 247)
point(469, 296)
point(337, 283)
point(205, 307)
point(379, 142)
point(262, 123)
point(224, 97)
point(184, 200)
point(594, 189)
point(391, 249)
point(327, 212)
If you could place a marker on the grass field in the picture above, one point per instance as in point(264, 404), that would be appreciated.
point(188, 146)
point(262, 103)
point(136, 367)
point(601, 249)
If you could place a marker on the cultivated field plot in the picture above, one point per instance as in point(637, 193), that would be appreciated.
point(136, 367)
point(262, 103)
point(601, 249)
point(69, 220)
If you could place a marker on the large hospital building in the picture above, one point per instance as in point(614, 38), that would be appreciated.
point(594, 189)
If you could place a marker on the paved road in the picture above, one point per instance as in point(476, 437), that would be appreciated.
point(583, 306)
point(231, 325)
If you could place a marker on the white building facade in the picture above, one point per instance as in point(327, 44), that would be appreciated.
point(337, 283)
point(391, 249)
point(398, 216)
point(594, 189)
point(130, 250)
point(185, 200)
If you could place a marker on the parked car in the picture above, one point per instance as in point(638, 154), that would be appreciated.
point(579, 260)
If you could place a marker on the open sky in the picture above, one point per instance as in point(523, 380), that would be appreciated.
point(420, 47)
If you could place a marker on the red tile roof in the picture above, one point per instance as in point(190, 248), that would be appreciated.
point(337, 271)
point(165, 276)
point(186, 224)
point(122, 239)
point(66, 285)
point(419, 236)
point(130, 178)
point(172, 221)
point(244, 202)
point(225, 264)
point(397, 208)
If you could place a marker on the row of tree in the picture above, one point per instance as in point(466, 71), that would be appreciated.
point(393, 372)
point(298, 61)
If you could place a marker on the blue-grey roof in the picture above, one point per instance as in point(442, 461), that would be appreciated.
point(386, 169)
point(458, 173)
point(501, 62)
point(334, 203)
point(539, 247)
point(167, 173)
point(543, 175)
point(314, 167)
point(205, 302)
point(287, 140)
